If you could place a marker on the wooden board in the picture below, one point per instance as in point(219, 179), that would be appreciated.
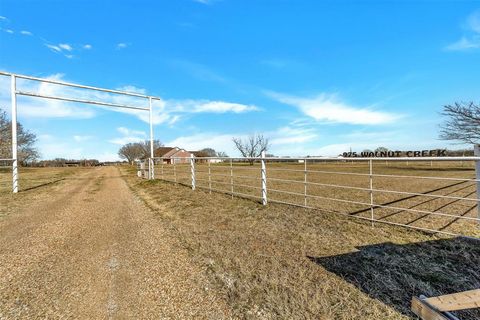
point(424, 311)
point(456, 301)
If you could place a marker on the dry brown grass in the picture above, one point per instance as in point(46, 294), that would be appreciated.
point(34, 184)
point(245, 175)
point(286, 262)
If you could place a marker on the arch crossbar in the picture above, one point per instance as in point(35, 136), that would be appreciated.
point(14, 93)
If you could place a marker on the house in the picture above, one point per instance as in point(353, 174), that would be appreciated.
point(170, 154)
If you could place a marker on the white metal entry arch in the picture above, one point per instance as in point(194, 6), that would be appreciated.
point(14, 92)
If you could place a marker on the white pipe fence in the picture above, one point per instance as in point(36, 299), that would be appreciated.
point(429, 199)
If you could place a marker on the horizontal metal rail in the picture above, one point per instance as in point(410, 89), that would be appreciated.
point(75, 85)
point(100, 103)
point(231, 174)
point(366, 219)
point(424, 195)
point(291, 160)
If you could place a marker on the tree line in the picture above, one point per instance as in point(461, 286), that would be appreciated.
point(461, 123)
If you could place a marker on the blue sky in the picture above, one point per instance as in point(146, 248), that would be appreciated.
point(316, 77)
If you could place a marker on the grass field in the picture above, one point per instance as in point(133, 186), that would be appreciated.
point(287, 262)
point(443, 214)
point(32, 181)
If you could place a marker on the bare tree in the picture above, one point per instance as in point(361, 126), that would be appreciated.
point(27, 152)
point(210, 152)
point(381, 149)
point(222, 154)
point(131, 152)
point(145, 146)
point(252, 147)
point(137, 150)
point(463, 123)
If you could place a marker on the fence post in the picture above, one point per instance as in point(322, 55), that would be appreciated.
point(163, 178)
point(476, 152)
point(371, 189)
point(174, 171)
point(192, 169)
point(305, 182)
point(209, 177)
point(264, 180)
point(231, 176)
point(152, 169)
point(14, 134)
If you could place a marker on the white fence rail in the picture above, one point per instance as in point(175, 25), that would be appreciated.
point(433, 194)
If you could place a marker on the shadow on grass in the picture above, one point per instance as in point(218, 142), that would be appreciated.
point(41, 185)
point(394, 273)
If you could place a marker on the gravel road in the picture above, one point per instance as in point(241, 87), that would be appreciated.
point(92, 250)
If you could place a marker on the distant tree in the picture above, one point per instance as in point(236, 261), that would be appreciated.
point(381, 149)
point(462, 123)
point(137, 150)
point(131, 152)
point(251, 147)
point(222, 154)
point(145, 146)
point(26, 150)
point(209, 152)
point(367, 151)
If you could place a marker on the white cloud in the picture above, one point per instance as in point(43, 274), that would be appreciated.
point(471, 39)
point(65, 46)
point(129, 132)
point(166, 112)
point(54, 48)
point(219, 142)
point(79, 138)
point(44, 108)
point(328, 107)
point(3, 18)
point(26, 33)
point(9, 31)
point(464, 44)
point(87, 46)
point(197, 106)
point(204, 1)
point(61, 48)
point(122, 45)
point(289, 135)
point(128, 136)
point(198, 71)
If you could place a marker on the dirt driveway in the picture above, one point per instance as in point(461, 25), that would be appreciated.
point(92, 250)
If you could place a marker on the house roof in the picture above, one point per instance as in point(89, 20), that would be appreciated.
point(167, 152)
point(161, 151)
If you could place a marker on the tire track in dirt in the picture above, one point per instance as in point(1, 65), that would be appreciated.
point(92, 250)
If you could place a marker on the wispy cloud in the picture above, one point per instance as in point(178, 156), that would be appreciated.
point(26, 33)
point(87, 46)
point(3, 18)
point(80, 138)
point(65, 46)
point(165, 111)
point(128, 136)
point(328, 107)
point(471, 39)
point(198, 71)
point(197, 106)
point(122, 45)
point(62, 48)
point(206, 2)
point(291, 135)
point(10, 31)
